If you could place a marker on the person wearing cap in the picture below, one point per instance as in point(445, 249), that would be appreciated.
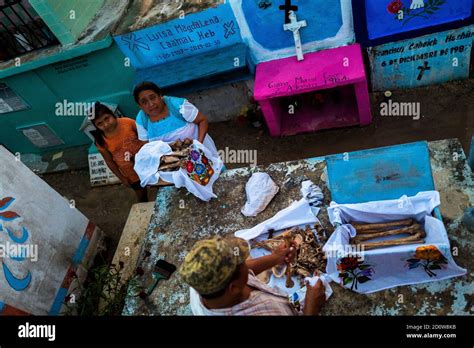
point(223, 281)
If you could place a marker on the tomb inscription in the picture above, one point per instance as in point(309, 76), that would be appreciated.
point(430, 59)
point(201, 32)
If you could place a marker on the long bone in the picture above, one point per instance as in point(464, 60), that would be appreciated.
point(406, 230)
point(414, 239)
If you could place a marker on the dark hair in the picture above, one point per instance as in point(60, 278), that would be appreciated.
point(97, 111)
point(146, 86)
point(221, 292)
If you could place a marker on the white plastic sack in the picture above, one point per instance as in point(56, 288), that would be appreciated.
point(260, 190)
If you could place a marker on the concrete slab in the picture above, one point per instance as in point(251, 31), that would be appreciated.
point(128, 249)
point(179, 220)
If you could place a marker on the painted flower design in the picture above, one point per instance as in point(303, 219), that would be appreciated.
point(348, 263)
point(429, 257)
point(7, 215)
point(194, 155)
point(429, 252)
point(17, 284)
point(353, 271)
point(190, 166)
point(395, 6)
point(417, 9)
point(199, 168)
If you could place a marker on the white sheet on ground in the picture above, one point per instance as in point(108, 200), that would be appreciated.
point(388, 267)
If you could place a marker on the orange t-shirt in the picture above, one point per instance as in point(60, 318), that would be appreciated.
point(123, 147)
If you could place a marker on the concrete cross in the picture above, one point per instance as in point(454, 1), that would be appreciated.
point(295, 27)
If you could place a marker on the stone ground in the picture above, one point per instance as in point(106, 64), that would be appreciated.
point(447, 112)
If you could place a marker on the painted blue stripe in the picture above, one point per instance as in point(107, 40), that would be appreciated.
point(2, 306)
point(81, 251)
point(62, 292)
point(58, 302)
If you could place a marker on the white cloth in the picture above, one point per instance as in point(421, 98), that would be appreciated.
point(312, 193)
point(325, 280)
point(391, 210)
point(385, 268)
point(260, 190)
point(298, 213)
point(147, 162)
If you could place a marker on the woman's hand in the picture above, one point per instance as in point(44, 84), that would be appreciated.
point(285, 254)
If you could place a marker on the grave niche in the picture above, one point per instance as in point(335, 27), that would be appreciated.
point(328, 89)
point(321, 109)
point(201, 50)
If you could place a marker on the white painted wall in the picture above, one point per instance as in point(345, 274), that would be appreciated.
point(53, 226)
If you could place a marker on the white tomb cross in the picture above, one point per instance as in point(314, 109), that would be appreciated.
point(295, 27)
